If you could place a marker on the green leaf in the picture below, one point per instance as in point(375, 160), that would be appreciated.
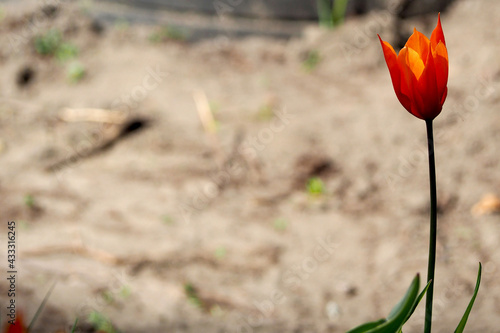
point(401, 311)
point(42, 305)
point(417, 301)
point(74, 326)
point(368, 326)
point(399, 314)
point(325, 13)
point(462, 323)
point(338, 11)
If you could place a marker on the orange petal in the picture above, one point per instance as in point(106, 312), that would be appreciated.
point(440, 56)
point(437, 35)
point(409, 88)
point(419, 43)
point(428, 90)
point(395, 71)
point(415, 62)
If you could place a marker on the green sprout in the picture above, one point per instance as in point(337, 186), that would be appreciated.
point(220, 252)
point(51, 44)
point(125, 292)
point(331, 14)
point(168, 33)
point(29, 201)
point(280, 224)
point(192, 295)
point(312, 60)
point(107, 296)
point(66, 51)
point(73, 329)
point(48, 43)
point(75, 72)
point(121, 24)
point(101, 322)
point(266, 112)
point(315, 186)
point(23, 224)
point(167, 219)
point(216, 311)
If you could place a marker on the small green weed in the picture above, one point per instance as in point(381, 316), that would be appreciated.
point(167, 219)
point(192, 295)
point(48, 43)
point(125, 292)
point(51, 43)
point(29, 201)
point(101, 322)
point(280, 224)
point(312, 60)
point(108, 297)
point(75, 72)
point(331, 13)
point(315, 186)
point(168, 33)
point(66, 51)
point(266, 112)
point(220, 252)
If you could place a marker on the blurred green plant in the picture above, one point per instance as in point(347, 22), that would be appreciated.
point(214, 109)
point(280, 224)
point(217, 311)
point(101, 322)
point(51, 43)
point(167, 33)
point(265, 112)
point(315, 186)
point(220, 252)
point(48, 43)
point(192, 295)
point(40, 308)
point(121, 24)
point(29, 201)
point(167, 219)
point(66, 51)
point(108, 297)
point(23, 224)
point(75, 72)
point(311, 60)
point(85, 6)
point(331, 13)
point(125, 292)
point(73, 329)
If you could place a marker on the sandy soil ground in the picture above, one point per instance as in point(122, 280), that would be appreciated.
point(162, 225)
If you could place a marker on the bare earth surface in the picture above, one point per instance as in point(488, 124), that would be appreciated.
point(176, 228)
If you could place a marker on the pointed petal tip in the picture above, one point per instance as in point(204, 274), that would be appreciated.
point(437, 33)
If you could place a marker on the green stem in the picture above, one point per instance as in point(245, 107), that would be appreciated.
point(433, 228)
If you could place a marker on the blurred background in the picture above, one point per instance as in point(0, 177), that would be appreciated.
point(242, 166)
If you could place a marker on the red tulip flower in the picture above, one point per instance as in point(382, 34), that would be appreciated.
point(419, 72)
point(17, 327)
